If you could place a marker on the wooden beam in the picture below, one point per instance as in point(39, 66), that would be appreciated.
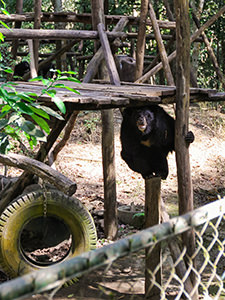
point(56, 34)
point(85, 18)
point(94, 64)
point(161, 47)
point(110, 63)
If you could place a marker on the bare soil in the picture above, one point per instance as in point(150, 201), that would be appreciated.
point(81, 161)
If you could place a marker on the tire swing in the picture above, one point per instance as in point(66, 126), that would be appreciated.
point(40, 223)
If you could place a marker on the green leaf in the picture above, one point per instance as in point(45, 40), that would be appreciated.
point(3, 123)
point(27, 126)
point(42, 123)
point(2, 37)
point(59, 85)
point(72, 90)
point(32, 130)
point(4, 143)
point(6, 108)
point(51, 93)
point(46, 82)
point(73, 79)
point(51, 112)
point(24, 108)
point(5, 25)
point(39, 78)
point(25, 97)
point(40, 112)
point(8, 70)
point(59, 103)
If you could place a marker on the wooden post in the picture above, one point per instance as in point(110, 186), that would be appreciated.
point(185, 190)
point(110, 63)
point(108, 152)
point(33, 70)
point(99, 55)
point(141, 39)
point(161, 47)
point(37, 25)
point(15, 44)
point(152, 256)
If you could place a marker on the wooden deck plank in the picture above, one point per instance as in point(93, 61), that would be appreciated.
point(100, 96)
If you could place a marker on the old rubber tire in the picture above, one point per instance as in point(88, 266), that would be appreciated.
point(28, 207)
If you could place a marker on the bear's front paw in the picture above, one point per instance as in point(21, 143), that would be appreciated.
point(189, 138)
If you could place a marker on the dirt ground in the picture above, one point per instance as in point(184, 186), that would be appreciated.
point(81, 161)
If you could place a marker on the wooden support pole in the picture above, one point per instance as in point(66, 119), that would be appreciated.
point(33, 70)
point(94, 64)
point(15, 44)
point(37, 25)
point(185, 190)
point(108, 149)
point(140, 52)
point(161, 47)
point(153, 256)
point(110, 63)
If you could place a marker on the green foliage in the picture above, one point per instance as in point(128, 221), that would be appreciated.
point(21, 116)
point(18, 108)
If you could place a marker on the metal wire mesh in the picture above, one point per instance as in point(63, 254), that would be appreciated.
point(207, 265)
point(118, 271)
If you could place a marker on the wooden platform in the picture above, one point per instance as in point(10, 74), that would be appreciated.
point(102, 96)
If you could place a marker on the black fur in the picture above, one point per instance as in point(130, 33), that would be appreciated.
point(21, 68)
point(147, 136)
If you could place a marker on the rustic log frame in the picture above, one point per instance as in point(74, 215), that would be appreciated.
point(79, 18)
point(113, 77)
point(194, 36)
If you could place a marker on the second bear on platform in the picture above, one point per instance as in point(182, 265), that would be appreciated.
point(147, 136)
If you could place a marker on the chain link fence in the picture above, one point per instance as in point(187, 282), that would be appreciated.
point(117, 271)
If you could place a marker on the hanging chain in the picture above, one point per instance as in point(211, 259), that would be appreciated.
point(44, 189)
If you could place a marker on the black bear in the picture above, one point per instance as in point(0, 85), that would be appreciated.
point(21, 68)
point(147, 136)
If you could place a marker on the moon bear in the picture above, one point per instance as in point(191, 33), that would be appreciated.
point(147, 136)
